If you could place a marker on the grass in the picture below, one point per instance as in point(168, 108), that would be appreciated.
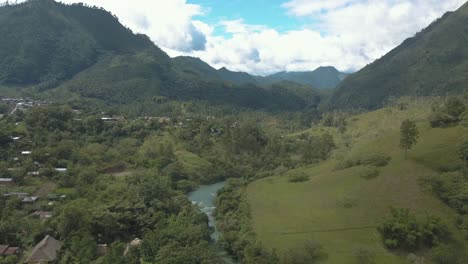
point(285, 215)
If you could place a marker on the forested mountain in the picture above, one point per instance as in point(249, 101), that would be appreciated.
point(236, 77)
point(84, 51)
point(43, 41)
point(321, 78)
point(434, 62)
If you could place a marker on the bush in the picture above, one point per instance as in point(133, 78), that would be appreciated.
point(298, 177)
point(448, 114)
point(403, 231)
point(373, 159)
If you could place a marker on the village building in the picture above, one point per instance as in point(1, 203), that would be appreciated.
point(6, 181)
point(6, 250)
point(30, 199)
point(46, 251)
point(101, 249)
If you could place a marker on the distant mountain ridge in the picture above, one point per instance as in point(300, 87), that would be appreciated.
point(321, 78)
point(433, 62)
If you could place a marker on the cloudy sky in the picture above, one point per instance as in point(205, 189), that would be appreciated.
point(267, 36)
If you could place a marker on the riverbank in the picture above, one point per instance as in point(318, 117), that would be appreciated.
point(204, 197)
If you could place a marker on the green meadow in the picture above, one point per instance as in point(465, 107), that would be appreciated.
point(341, 208)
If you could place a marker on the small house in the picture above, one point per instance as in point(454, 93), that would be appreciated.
point(6, 181)
point(46, 251)
point(63, 170)
point(30, 199)
point(26, 152)
point(6, 250)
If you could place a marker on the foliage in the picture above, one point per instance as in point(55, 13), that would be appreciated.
point(447, 114)
point(402, 230)
point(316, 149)
point(233, 220)
point(452, 188)
point(298, 177)
point(408, 135)
point(369, 159)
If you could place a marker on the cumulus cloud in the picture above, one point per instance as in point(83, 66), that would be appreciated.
point(169, 23)
point(347, 34)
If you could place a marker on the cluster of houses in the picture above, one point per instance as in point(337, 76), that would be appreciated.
point(46, 251)
point(21, 104)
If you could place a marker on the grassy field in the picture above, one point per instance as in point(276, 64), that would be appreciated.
point(339, 208)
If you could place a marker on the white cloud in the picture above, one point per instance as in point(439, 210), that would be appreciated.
point(169, 23)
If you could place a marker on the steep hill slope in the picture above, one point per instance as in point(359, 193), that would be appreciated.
point(341, 208)
point(434, 62)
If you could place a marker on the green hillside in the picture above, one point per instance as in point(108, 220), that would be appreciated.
point(65, 52)
point(434, 62)
point(44, 41)
point(341, 208)
point(236, 77)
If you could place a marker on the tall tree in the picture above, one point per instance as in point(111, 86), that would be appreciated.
point(408, 135)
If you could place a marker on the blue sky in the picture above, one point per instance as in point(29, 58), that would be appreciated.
point(267, 36)
point(269, 13)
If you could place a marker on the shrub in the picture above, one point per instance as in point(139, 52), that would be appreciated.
point(298, 177)
point(372, 159)
point(448, 114)
point(402, 230)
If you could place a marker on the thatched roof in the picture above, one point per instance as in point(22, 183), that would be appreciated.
point(45, 251)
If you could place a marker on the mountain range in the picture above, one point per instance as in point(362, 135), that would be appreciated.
point(321, 78)
point(77, 50)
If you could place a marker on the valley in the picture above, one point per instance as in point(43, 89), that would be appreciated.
point(116, 149)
